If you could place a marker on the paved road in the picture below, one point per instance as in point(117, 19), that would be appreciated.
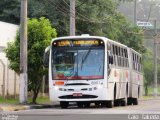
point(145, 107)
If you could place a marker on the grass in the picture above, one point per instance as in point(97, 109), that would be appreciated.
point(8, 100)
point(147, 97)
point(151, 90)
point(11, 100)
point(41, 100)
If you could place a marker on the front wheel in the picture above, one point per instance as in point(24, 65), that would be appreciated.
point(64, 104)
point(109, 104)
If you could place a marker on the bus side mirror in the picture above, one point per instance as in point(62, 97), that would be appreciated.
point(46, 57)
point(110, 59)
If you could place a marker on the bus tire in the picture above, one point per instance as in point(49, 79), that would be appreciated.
point(116, 103)
point(109, 104)
point(64, 104)
point(80, 104)
point(124, 101)
point(129, 101)
point(97, 104)
point(87, 104)
point(135, 101)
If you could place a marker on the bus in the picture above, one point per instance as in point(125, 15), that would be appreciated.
point(93, 69)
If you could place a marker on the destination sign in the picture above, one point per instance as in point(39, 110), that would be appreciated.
point(63, 43)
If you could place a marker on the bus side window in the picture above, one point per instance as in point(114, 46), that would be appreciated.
point(112, 53)
point(113, 49)
point(140, 61)
point(116, 55)
point(119, 56)
point(122, 57)
point(133, 61)
point(126, 60)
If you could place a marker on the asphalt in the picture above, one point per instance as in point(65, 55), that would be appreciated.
point(13, 107)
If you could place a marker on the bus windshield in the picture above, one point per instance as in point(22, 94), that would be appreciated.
point(77, 64)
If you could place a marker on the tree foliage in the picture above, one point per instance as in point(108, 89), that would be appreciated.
point(40, 34)
point(10, 11)
point(94, 17)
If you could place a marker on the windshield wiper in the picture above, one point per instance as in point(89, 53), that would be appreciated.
point(84, 59)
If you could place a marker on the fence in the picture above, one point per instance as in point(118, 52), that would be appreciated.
point(9, 80)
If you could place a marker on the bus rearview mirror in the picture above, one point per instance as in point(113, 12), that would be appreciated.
point(110, 59)
point(46, 57)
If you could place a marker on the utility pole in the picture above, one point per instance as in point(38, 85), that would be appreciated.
point(155, 59)
point(72, 18)
point(23, 54)
point(135, 12)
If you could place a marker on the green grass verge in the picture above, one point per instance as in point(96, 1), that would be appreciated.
point(151, 90)
point(8, 101)
point(40, 100)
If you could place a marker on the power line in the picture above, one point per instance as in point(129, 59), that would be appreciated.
point(84, 17)
point(64, 11)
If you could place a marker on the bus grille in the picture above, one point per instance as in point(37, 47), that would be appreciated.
point(77, 97)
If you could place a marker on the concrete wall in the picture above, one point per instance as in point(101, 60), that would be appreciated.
point(9, 80)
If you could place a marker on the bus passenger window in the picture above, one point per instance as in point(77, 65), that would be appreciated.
point(113, 48)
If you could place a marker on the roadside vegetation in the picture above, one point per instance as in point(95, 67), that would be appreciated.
point(40, 34)
point(13, 100)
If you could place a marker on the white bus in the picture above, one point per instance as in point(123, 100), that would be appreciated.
point(92, 69)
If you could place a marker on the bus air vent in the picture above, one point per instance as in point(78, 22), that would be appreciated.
point(77, 84)
point(78, 97)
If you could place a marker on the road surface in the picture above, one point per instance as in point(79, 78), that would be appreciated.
point(146, 110)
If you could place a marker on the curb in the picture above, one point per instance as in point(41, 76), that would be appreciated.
point(26, 107)
point(14, 108)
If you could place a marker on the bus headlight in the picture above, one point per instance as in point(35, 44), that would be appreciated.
point(56, 87)
point(99, 86)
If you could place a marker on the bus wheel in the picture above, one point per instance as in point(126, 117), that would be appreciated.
point(64, 104)
point(124, 101)
point(129, 101)
point(109, 104)
point(80, 104)
point(97, 104)
point(135, 101)
point(116, 102)
point(86, 104)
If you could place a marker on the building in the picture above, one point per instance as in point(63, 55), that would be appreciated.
point(9, 80)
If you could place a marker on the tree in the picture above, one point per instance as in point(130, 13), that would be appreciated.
point(148, 70)
point(10, 11)
point(40, 34)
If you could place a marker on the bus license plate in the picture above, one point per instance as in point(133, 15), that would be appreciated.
point(77, 94)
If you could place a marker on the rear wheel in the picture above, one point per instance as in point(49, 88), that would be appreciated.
point(129, 101)
point(116, 102)
point(135, 101)
point(64, 104)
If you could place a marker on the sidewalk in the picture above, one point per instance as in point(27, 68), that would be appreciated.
point(11, 107)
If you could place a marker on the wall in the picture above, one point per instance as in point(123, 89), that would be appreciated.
point(9, 80)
